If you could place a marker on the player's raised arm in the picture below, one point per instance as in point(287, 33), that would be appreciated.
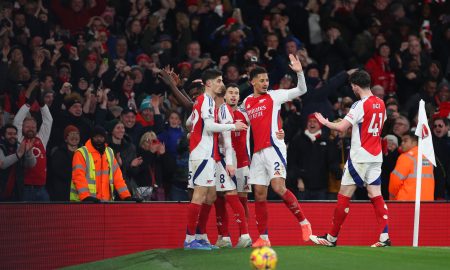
point(296, 66)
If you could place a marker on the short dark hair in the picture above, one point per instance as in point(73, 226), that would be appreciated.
point(412, 136)
point(360, 78)
point(5, 127)
point(444, 119)
point(256, 71)
point(210, 74)
point(232, 85)
point(44, 77)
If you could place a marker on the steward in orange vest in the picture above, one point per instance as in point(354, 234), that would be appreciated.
point(402, 182)
point(95, 171)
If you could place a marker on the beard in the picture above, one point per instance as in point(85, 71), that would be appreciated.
point(100, 147)
point(30, 134)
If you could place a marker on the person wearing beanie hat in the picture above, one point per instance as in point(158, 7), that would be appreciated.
point(60, 165)
point(392, 142)
point(71, 100)
point(146, 103)
point(96, 172)
point(98, 139)
point(149, 115)
point(70, 129)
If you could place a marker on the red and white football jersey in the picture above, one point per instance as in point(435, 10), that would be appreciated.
point(239, 140)
point(201, 142)
point(367, 117)
point(264, 115)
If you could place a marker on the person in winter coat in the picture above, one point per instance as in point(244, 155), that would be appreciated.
point(311, 157)
point(124, 151)
point(156, 169)
point(60, 169)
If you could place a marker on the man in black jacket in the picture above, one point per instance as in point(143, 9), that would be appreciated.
point(310, 159)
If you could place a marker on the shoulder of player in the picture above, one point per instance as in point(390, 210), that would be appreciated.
point(356, 103)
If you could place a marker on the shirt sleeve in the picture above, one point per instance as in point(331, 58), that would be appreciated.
point(355, 114)
point(225, 116)
point(279, 96)
point(207, 109)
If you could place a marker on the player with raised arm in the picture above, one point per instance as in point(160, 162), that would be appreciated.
point(201, 145)
point(363, 167)
point(268, 165)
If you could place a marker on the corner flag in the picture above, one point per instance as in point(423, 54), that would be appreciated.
point(425, 147)
point(423, 132)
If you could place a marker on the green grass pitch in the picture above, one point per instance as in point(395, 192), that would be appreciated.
point(310, 257)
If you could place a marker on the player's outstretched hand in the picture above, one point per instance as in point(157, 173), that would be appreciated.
point(295, 64)
point(240, 126)
point(320, 118)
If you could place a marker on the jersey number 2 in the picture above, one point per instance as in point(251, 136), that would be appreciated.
point(374, 125)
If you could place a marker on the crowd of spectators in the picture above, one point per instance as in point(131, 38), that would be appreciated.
point(74, 64)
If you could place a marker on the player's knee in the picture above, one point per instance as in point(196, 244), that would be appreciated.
point(260, 195)
point(211, 198)
point(279, 189)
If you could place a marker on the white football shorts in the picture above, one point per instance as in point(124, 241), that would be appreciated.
point(201, 173)
point(267, 164)
point(361, 174)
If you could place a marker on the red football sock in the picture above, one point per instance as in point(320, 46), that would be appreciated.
point(291, 203)
point(340, 213)
point(381, 212)
point(261, 216)
point(203, 218)
point(221, 216)
point(244, 201)
point(239, 212)
point(192, 218)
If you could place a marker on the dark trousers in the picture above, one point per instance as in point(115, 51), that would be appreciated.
point(35, 194)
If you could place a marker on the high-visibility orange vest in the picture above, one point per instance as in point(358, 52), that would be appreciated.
point(96, 175)
point(402, 182)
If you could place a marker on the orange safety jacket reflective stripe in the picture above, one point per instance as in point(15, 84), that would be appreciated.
point(402, 182)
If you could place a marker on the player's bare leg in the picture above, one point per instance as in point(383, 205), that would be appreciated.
point(381, 213)
point(340, 213)
point(279, 186)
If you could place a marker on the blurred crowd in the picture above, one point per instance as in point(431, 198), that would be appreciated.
point(75, 64)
